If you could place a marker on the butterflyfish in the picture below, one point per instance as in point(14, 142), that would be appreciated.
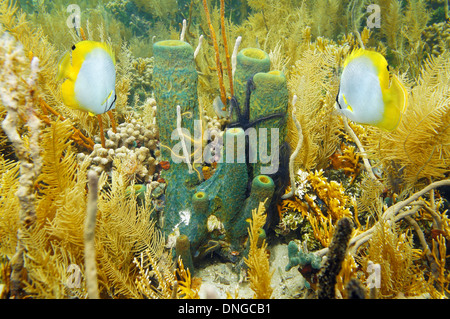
point(367, 92)
point(89, 70)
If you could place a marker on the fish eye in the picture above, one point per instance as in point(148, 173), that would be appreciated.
point(388, 68)
point(73, 47)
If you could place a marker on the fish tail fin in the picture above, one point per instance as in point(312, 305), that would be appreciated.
point(64, 67)
point(395, 101)
point(400, 94)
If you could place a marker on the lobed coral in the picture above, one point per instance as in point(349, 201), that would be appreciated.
point(134, 145)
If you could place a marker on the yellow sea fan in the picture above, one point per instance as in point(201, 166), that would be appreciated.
point(48, 265)
point(186, 288)
point(125, 229)
point(312, 80)
point(258, 260)
point(59, 165)
point(393, 251)
point(9, 206)
point(152, 281)
point(419, 146)
point(323, 228)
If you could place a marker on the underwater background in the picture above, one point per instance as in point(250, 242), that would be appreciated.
point(144, 195)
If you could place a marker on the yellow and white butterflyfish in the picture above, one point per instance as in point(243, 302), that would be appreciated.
point(366, 93)
point(89, 70)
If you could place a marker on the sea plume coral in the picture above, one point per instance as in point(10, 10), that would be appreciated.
point(419, 146)
point(257, 260)
point(312, 80)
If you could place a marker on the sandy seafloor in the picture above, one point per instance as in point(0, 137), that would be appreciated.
point(220, 278)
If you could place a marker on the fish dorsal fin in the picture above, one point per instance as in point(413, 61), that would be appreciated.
point(353, 55)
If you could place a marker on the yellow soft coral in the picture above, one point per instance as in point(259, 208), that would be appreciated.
point(187, 287)
point(347, 160)
point(331, 193)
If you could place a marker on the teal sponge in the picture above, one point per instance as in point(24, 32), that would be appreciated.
point(299, 258)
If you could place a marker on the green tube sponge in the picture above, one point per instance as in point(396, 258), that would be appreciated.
point(138, 189)
point(262, 189)
point(200, 202)
point(270, 90)
point(175, 83)
point(249, 61)
point(196, 230)
point(269, 98)
point(183, 250)
point(226, 188)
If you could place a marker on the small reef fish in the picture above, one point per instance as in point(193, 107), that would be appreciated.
point(365, 94)
point(89, 70)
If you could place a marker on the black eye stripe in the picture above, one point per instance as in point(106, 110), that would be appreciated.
point(388, 67)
